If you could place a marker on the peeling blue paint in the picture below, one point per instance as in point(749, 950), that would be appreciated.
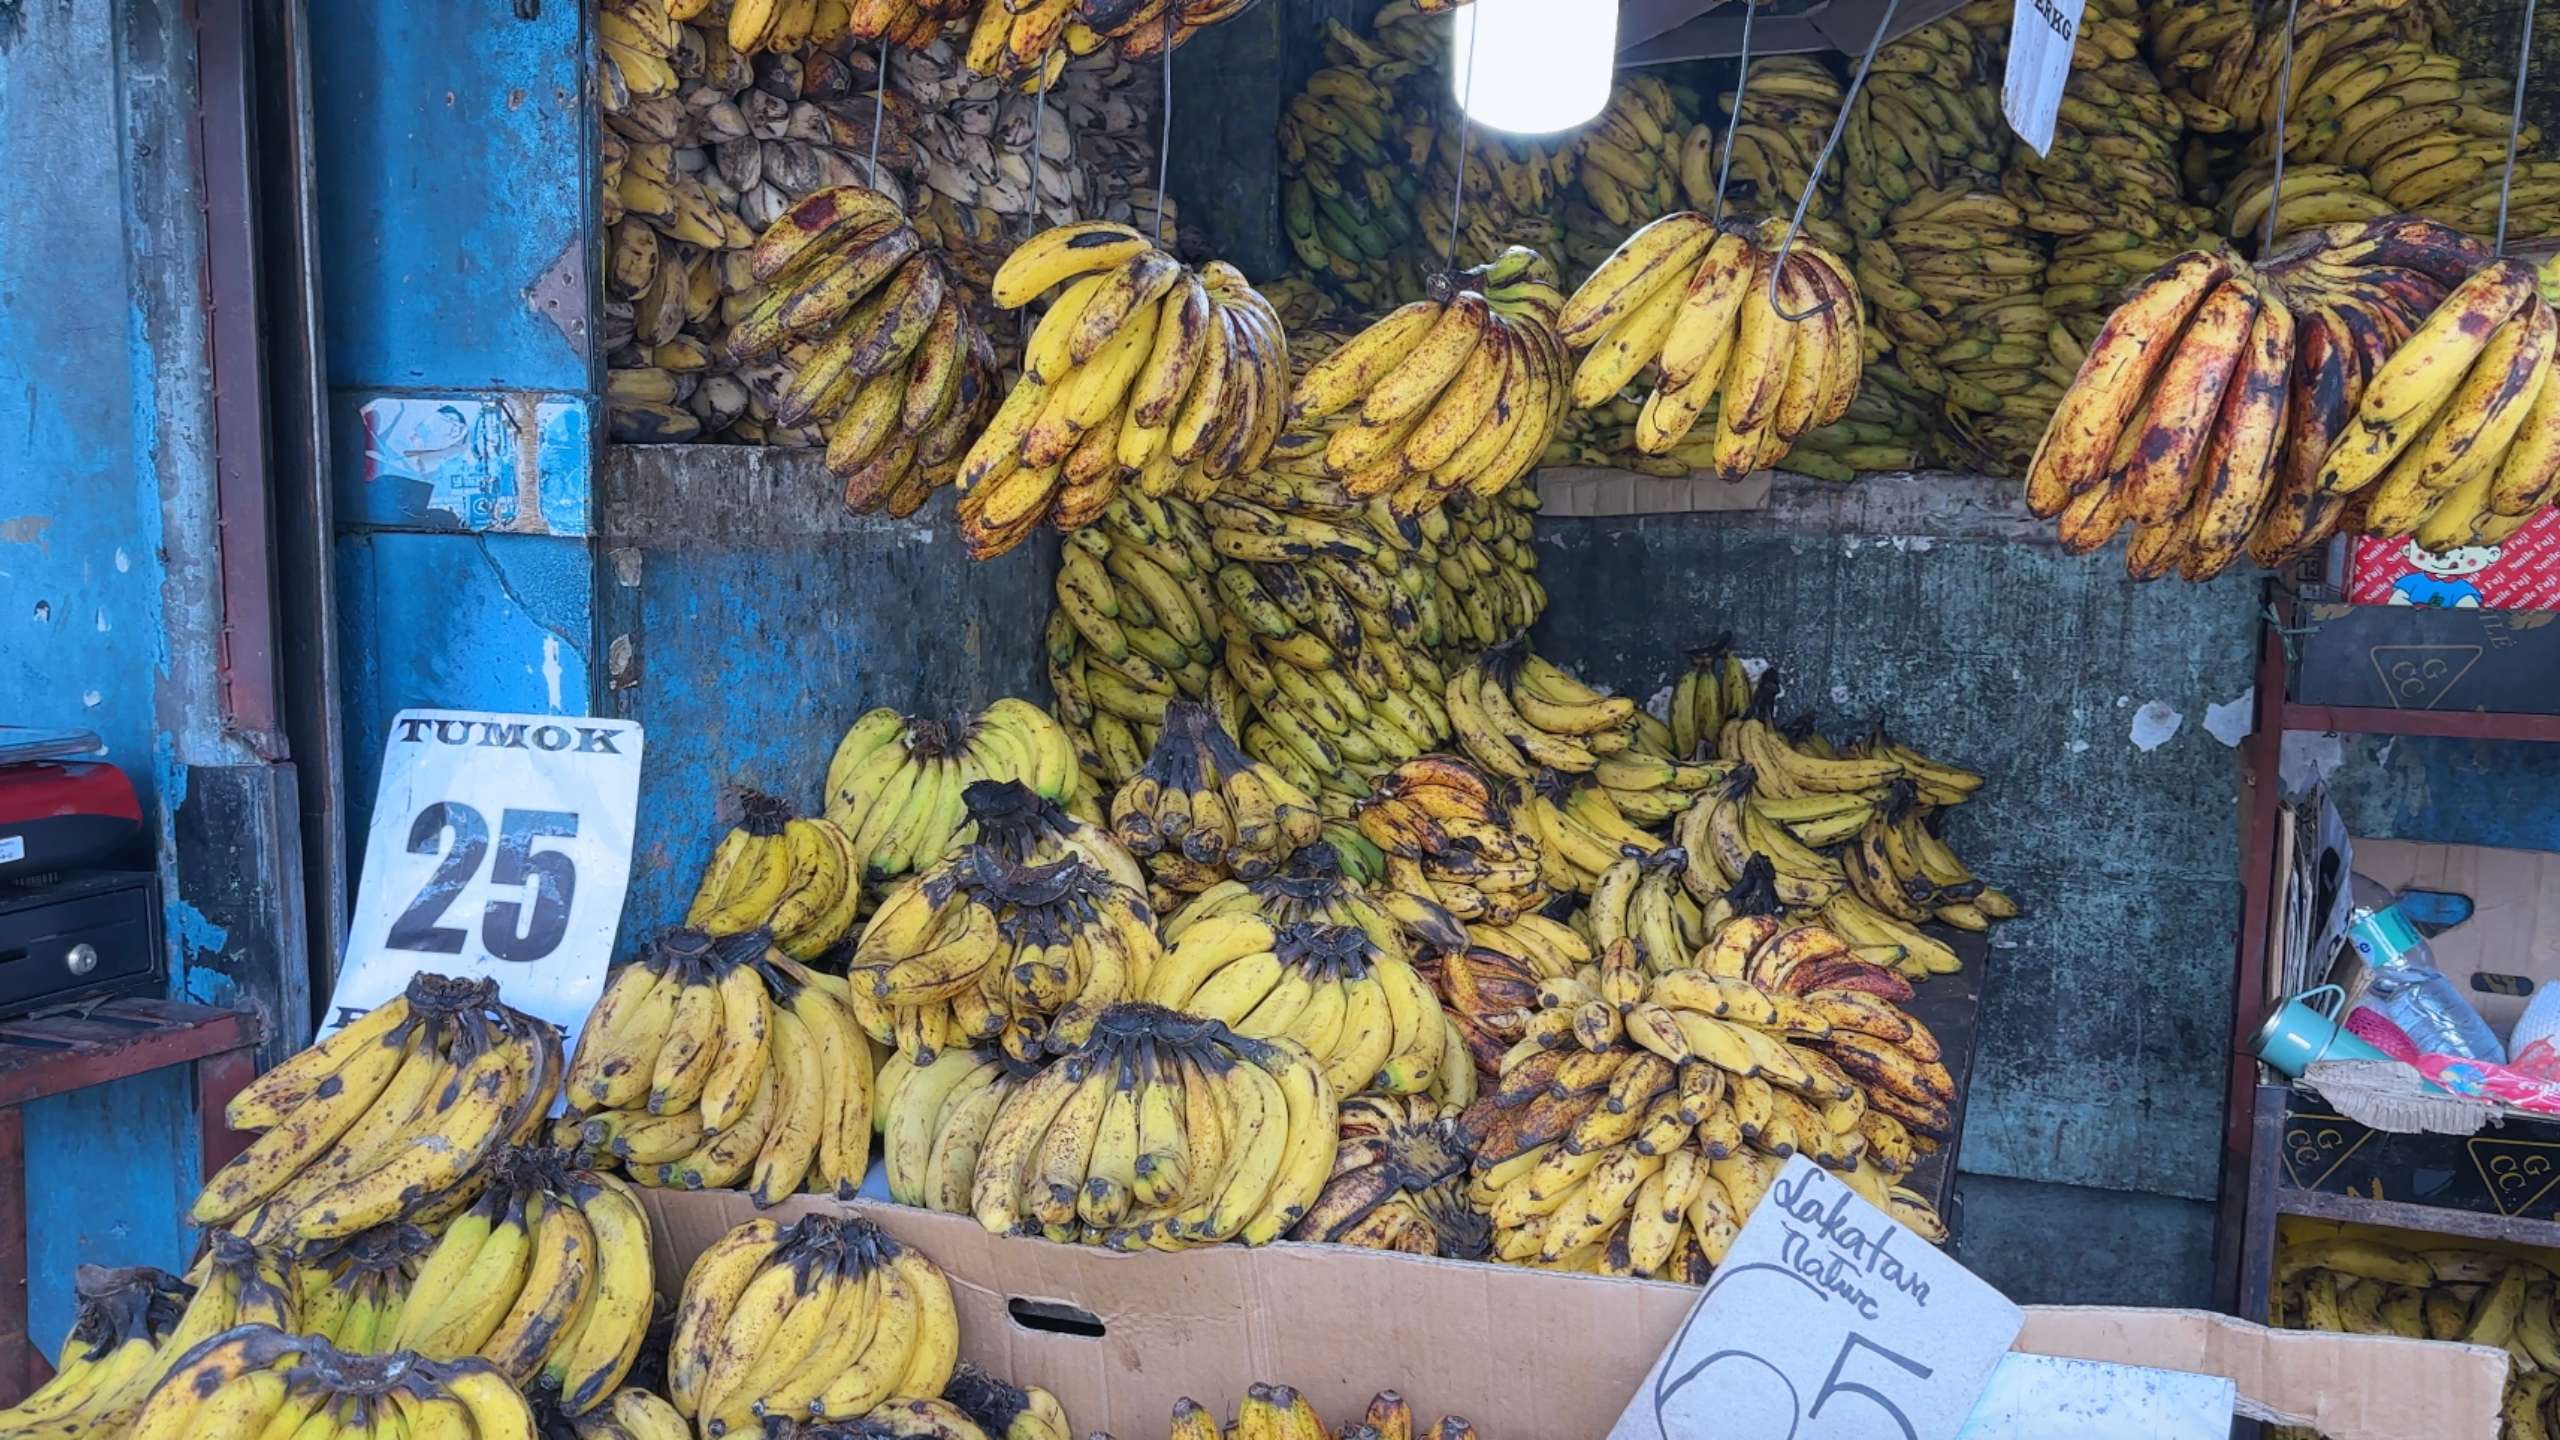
point(192, 933)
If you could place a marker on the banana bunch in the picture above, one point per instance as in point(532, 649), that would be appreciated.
point(351, 1292)
point(635, 39)
point(1488, 993)
point(933, 1119)
point(796, 876)
point(1142, 370)
point(1581, 826)
point(1628, 164)
point(255, 1379)
point(1692, 300)
point(707, 1063)
point(1451, 840)
point(779, 26)
point(1883, 429)
point(1135, 624)
point(2347, 1284)
point(1355, 150)
point(2114, 174)
point(1923, 121)
point(1637, 1123)
point(1641, 900)
point(1789, 104)
point(1160, 1130)
point(392, 1117)
point(899, 785)
point(1318, 888)
point(877, 346)
point(1359, 1009)
point(986, 948)
point(1279, 1412)
point(1959, 281)
point(1007, 1412)
point(631, 1413)
point(1515, 712)
point(1460, 391)
point(547, 1277)
point(1201, 809)
point(125, 1333)
point(826, 1317)
point(914, 24)
point(1399, 1182)
point(1516, 187)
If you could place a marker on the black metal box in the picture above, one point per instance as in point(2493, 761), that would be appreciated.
point(92, 932)
point(2511, 1169)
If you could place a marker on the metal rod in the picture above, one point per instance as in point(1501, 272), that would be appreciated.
point(1466, 128)
point(2515, 121)
point(1039, 132)
point(1813, 182)
point(1164, 127)
point(2284, 99)
point(1741, 87)
point(879, 109)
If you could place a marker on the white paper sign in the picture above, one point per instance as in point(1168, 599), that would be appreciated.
point(2041, 33)
point(500, 847)
point(2034, 1397)
point(1827, 1320)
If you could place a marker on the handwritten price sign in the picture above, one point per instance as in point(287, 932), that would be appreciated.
point(1826, 1321)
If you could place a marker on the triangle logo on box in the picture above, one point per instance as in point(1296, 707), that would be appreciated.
point(2416, 677)
point(2318, 1143)
point(2520, 1174)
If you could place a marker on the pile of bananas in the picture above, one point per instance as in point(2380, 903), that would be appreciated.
point(1461, 391)
point(2351, 1285)
point(546, 1277)
point(1142, 370)
point(1630, 164)
point(1006, 1411)
point(998, 943)
point(1450, 839)
point(1354, 144)
point(1641, 1117)
point(1789, 104)
point(1487, 993)
point(899, 785)
point(255, 1379)
point(1601, 766)
point(1201, 810)
point(1692, 300)
point(1279, 1412)
point(1399, 1180)
point(1160, 1130)
point(631, 1413)
point(796, 877)
point(130, 1325)
point(825, 1317)
point(1361, 1010)
point(1130, 633)
point(933, 1118)
point(1882, 430)
point(1318, 888)
point(393, 1117)
point(914, 24)
point(707, 1063)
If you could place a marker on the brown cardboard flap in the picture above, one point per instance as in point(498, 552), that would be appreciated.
point(2514, 929)
point(1586, 492)
point(2349, 1387)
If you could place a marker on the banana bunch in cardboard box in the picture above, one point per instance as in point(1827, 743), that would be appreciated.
point(898, 784)
point(1692, 300)
point(717, 1063)
point(2354, 1285)
point(131, 1325)
point(1005, 1411)
point(1201, 809)
point(933, 1119)
point(1322, 886)
point(1638, 1121)
point(1020, 939)
point(1399, 1179)
point(880, 350)
point(795, 876)
point(1160, 1130)
point(1451, 839)
point(1143, 372)
point(827, 1318)
point(255, 1379)
point(1359, 1008)
point(394, 1117)
point(1460, 391)
point(1280, 1412)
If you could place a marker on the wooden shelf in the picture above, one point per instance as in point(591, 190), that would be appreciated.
point(1951, 1006)
point(2401, 1215)
point(2445, 724)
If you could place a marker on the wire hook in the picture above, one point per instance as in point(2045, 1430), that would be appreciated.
point(1821, 162)
point(1466, 133)
point(1164, 127)
point(1741, 88)
point(879, 109)
point(2284, 101)
point(2515, 122)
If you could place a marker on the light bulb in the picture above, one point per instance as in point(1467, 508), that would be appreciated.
point(1534, 66)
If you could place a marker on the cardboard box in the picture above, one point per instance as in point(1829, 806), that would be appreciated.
point(1525, 1354)
point(2523, 574)
point(2510, 944)
point(2431, 659)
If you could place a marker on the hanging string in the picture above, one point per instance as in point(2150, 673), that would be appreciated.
point(1039, 133)
point(879, 109)
point(1164, 130)
point(2515, 122)
point(2284, 99)
point(1822, 162)
point(1466, 132)
point(1741, 87)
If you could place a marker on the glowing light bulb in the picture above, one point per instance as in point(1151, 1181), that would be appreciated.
point(1534, 66)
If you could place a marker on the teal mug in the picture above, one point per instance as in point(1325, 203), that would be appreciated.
point(2299, 1033)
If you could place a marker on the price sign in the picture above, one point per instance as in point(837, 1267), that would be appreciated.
point(500, 847)
point(1827, 1320)
point(2041, 33)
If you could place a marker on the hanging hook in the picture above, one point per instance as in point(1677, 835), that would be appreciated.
point(1821, 162)
point(2284, 100)
point(1164, 129)
point(2515, 122)
point(1039, 133)
point(1466, 131)
point(1741, 87)
point(879, 109)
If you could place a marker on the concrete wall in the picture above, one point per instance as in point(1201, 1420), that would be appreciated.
point(1933, 602)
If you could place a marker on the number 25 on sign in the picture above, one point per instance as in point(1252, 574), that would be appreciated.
point(1826, 1319)
point(500, 847)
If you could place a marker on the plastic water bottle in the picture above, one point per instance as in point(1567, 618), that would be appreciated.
point(2406, 987)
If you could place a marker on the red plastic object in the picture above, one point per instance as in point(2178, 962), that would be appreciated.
point(66, 815)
